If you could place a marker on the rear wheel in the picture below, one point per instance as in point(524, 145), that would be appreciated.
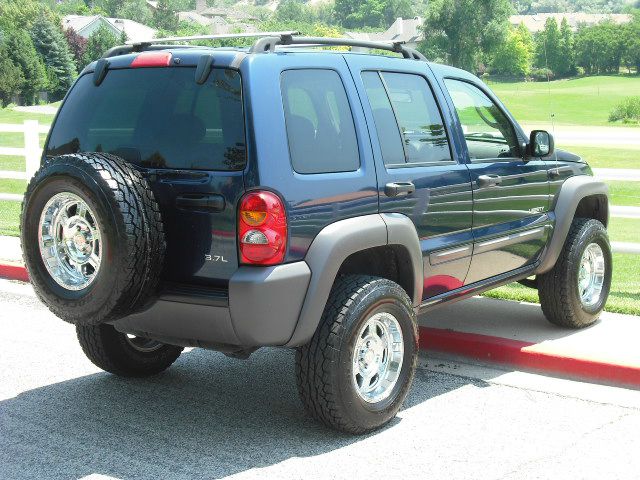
point(358, 367)
point(575, 291)
point(123, 354)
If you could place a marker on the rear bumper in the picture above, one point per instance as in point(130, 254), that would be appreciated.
point(262, 308)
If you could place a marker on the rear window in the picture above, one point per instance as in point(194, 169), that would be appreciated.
point(156, 117)
point(320, 129)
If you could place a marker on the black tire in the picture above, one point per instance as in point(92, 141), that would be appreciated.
point(558, 288)
point(132, 236)
point(324, 366)
point(110, 350)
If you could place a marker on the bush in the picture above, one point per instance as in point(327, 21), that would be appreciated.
point(628, 110)
point(541, 74)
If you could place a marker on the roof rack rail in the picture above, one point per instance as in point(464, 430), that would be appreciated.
point(223, 36)
point(268, 44)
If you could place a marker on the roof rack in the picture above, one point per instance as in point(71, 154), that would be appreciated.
point(268, 44)
point(161, 43)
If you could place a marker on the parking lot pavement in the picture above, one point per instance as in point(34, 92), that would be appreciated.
point(211, 417)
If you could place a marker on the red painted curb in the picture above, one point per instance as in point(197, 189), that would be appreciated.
point(14, 271)
point(485, 348)
point(523, 354)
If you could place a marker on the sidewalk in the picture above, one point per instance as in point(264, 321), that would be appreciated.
point(621, 174)
point(517, 334)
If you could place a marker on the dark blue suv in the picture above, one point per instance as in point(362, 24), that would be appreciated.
point(320, 200)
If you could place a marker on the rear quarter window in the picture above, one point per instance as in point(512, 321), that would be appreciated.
point(319, 122)
point(156, 117)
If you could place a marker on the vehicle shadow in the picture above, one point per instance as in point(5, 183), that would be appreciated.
point(207, 416)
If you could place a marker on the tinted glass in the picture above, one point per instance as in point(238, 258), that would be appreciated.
point(385, 120)
point(488, 132)
point(417, 113)
point(156, 117)
point(320, 129)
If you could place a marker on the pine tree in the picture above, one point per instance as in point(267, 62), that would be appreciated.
point(548, 46)
point(10, 75)
point(22, 52)
point(52, 48)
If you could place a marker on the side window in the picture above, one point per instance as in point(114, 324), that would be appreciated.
point(408, 122)
point(487, 131)
point(320, 128)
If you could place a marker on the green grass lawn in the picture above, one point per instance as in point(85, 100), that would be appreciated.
point(625, 287)
point(8, 115)
point(576, 101)
point(16, 139)
point(624, 230)
point(598, 157)
point(624, 193)
point(9, 185)
point(9, 218)
point(11, 162)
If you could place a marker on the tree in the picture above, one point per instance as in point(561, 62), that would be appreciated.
point(99, 42)
point(77, 45)
point(10, 76)
point(567, 58)
point(292, 11)
point(165, 16)
point(599, 48)
point(22, 53)
point(631, 55)
point(548, 47)
point(514, 57)
point(370, 13)
point(20, 15)
point(462, 32)
point(136, 10)
point(52, 47)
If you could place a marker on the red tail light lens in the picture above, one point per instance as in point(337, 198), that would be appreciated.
point(152, 59)
point(262, 229)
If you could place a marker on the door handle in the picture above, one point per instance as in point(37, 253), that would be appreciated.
point(199, 201)
point(399, 189)
point(489, 180)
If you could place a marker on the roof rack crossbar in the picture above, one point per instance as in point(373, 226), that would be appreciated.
point(225, 36)
point(268, 44)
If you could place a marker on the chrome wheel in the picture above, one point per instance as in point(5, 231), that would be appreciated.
point(69, 239)
point(377, 357)
point(141, 344)
point(591, 275)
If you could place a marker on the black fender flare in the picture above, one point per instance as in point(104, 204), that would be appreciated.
point(573, 190)
point(339, 240)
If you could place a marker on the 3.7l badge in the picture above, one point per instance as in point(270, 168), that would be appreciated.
point(214, 258)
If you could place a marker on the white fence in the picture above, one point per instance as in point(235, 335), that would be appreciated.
point(31, 150)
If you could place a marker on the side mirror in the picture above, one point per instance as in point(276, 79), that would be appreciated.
point(540, 144)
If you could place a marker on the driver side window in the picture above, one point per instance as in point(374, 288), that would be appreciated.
point(487, 131)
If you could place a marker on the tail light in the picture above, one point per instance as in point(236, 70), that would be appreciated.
point(262, 229)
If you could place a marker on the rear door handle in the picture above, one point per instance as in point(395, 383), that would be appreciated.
point(398, 189)
point(200, 201)
point(489, 180)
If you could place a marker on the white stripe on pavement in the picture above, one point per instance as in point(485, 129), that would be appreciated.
point(625, 247)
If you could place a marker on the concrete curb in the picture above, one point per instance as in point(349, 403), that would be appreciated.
point(13, 271)
point(486, 348)
point(524, 355)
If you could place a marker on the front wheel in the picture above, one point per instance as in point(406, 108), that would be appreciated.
point(574, 292)
point(358, 367)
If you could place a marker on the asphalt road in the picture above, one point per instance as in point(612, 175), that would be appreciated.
point(211, 417)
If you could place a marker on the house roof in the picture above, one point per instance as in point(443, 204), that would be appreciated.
point(194, 17)
point(402, 30)
point(535, 23)
point(133, 30)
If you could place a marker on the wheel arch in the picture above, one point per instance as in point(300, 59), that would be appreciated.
point(385, 245)
point(580, 197)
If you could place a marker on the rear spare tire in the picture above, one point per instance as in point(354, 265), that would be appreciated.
point(92, 237)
